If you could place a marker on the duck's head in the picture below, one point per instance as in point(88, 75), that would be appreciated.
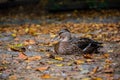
point(64, 35)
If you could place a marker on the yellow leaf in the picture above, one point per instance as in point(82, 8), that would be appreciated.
point(86, 79)
point(26, 30)
point(52, 35)
point(14, 35)
point(59, 65)
point(79, 61)
point(58, 58)
point(97, 78)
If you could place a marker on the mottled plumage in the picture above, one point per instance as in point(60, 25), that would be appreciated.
point(73, 45)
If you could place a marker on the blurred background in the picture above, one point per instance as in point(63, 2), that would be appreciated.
point(57, 5)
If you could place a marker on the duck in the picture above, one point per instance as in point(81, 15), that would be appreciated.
point(73, 45)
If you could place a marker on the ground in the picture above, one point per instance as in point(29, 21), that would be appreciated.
point(26, 46)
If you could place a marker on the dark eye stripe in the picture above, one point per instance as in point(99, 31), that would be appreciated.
point(60, 33)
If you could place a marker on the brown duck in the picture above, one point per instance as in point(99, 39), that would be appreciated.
point(73, 45)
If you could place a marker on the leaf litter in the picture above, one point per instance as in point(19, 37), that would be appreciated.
point(27, 51)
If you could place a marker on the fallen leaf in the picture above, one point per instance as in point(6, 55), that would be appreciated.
point(58, 58)
point(13, 77)
point(22, 49)
point(52, 35)
point(2, 68)
point(34, 58)
point(106, 55)
point(42, 68)
point(109, 70)
point(97, 78)
point(50, 55)
point(22, 56)
point(87, 56)
point(14, 35)
point(86, 79)
point(79, 62)
point(46, 76)
point(29, 42)
point(110, 51)
point(108, 61)
point(28, 67)
point(89, 60)
point(95, 70)
point(59, 65)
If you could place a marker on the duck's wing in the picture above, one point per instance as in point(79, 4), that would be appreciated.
point(81, 42)
point(87, 45)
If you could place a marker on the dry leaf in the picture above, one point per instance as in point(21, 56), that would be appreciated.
point(14, 35)
point(29, 42)
point(13, 77)
point(95, 70)
point(52, 35)
point(28, 67)
point(108, 61)
point(79, 62)
point(42, 68)
point(87, 56)
point(97, 78)
point(34, 58)
point(109, 70)
point(106, 55)
point(86, 79)
point(89, 60)
point(58, 58)
point(2, 68)
point(46, 76)
point(22, 56)
point(59, 65)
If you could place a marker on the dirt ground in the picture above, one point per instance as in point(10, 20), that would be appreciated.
point(26, 46)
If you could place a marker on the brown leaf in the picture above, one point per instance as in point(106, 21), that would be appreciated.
point(2, 68)
point(34, 58)
point(22, 56)
point(87, 56)
point(95, 70)
point(97, 78)
point(42, 68)
point(29, 42)
point(13, 77)
point(106, 55)
point(109, 70)
point(108, 61)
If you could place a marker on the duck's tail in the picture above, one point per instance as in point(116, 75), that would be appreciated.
point(93, 47)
